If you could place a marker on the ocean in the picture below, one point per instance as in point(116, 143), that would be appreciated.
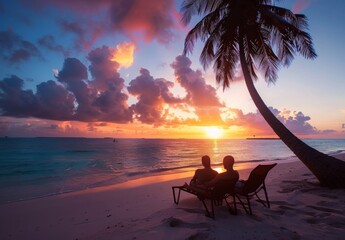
point(37, 167)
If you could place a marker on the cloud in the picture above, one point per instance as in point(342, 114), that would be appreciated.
point(124, 54)
point(300, 5)
point(76, 97)
point(150, 20)
point(73, 75)
point(111, 101)
point(87, 32)
point(135, 19)
point(49, 42)
point(99, 99)
point(14, 49)
point(54, 101)
point(296, 122)
point(13, 100)
point(201, 96)
point(32, 127)
point(152, 95)
point(98, 94)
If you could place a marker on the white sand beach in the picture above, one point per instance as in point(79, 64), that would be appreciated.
point(144, 209)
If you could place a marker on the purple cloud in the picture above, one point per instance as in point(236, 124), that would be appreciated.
point(13, 100)
point(152, 95)
point(98, 99)
point(54, 101)
point(49, 42)
point(296, 122)
point(14, 49)
point(136, 19)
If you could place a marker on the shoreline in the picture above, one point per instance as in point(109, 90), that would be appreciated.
point(184, 171)
point(144, 208)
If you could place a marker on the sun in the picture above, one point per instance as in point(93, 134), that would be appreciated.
point(214, 132)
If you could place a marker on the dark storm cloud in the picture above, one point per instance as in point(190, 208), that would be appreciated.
point(14, 49)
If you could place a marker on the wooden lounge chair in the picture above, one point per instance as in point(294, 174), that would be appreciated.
point(221, 191)
point(252, 186)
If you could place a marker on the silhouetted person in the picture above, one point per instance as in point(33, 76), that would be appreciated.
point(230, 175)
point(204, 175)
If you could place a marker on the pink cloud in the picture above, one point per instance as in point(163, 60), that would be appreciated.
point(300, 5)
point(296, 122)
point(136, 19)
point(149, 20)
point(201, 96)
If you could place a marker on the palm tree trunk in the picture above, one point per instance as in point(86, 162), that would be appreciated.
point(328, 170)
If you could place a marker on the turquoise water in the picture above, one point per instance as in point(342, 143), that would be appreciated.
point(35, 167)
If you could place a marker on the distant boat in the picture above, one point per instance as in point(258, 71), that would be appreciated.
point(114, 140)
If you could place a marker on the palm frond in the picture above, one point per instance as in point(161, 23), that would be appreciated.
point(194, 7)
point(270, 36)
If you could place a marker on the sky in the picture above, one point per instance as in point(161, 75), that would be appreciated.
point(108, 68)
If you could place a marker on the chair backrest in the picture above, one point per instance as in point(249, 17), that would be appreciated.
point(257, 178)
point(224, 186)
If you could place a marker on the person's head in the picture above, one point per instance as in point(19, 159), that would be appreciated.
point(206, 161)
point(228, 162)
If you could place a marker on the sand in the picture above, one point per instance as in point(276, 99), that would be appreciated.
point(144, 209)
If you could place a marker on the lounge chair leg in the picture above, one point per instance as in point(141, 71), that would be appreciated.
point(250, 208)
point(230, 208)
point(243, 204)
point(235, 206)
point(208, 213)
point(176, 201)
point(267, 201)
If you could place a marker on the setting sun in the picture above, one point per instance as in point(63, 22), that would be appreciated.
point(214, 132)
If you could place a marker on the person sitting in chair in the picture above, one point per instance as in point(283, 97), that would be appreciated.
point(204, 175)
point(230, 175)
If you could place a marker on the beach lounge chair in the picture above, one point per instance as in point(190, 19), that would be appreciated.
point(252, 186)
point(221, 191)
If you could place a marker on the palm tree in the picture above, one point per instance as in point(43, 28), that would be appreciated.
point(255, 36)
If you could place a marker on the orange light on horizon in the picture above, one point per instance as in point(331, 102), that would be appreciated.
point(214, 132)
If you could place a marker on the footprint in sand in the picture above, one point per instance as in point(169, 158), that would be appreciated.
point(175, 222)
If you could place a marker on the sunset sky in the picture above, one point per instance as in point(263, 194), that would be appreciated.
point(108, 68)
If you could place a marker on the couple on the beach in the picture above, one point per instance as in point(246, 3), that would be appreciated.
point(205, 179)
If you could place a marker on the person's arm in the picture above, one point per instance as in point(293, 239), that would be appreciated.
point(213, 181)
point(193, 180)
